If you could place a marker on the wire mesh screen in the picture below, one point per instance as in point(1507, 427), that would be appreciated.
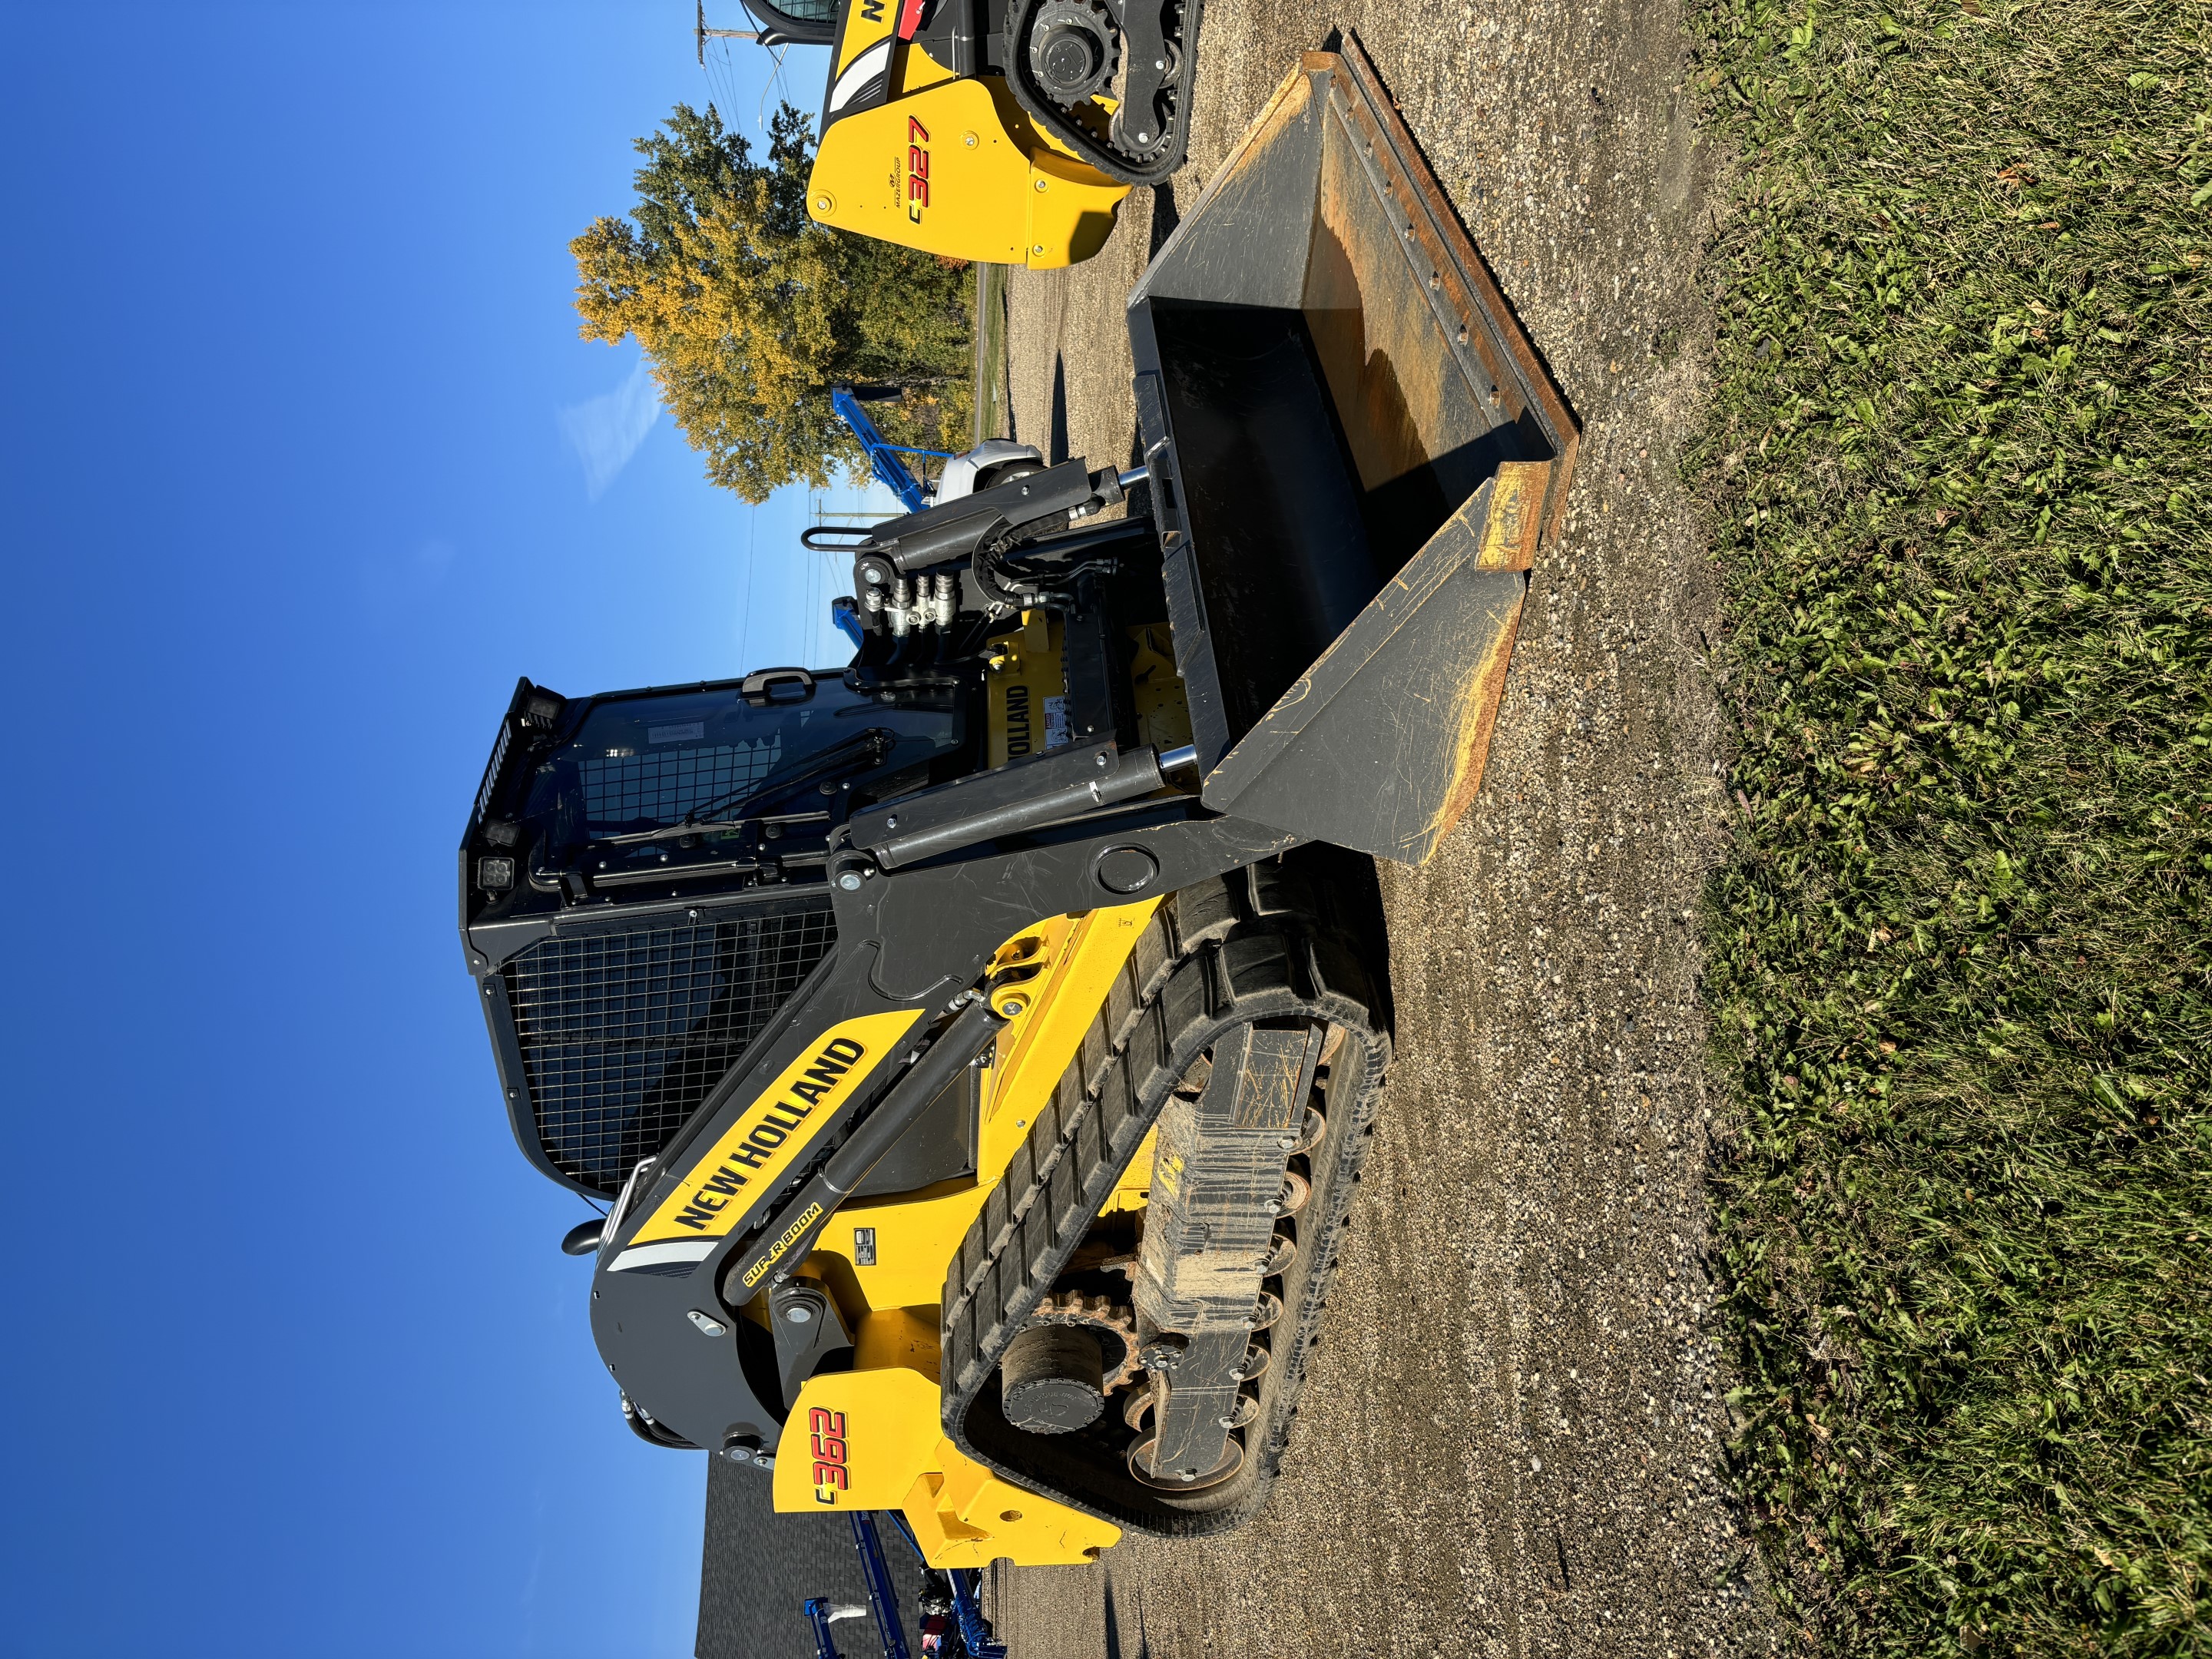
point(623, 1034)
point(628, 791)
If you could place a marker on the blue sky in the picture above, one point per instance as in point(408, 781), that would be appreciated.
point(302, 464)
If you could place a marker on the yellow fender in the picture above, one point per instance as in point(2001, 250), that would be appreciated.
point(946, 170)
point(869, 1439)
point(873, 1438)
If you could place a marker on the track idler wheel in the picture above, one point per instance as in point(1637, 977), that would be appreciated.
point(1246, 1413)
point(1140, 1465)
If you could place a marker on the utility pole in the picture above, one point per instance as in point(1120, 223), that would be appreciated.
point(702, 33)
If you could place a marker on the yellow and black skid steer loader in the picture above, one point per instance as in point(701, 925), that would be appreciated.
point(1004, 130)
point(975, 1044)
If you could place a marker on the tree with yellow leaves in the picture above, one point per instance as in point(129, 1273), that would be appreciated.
point(749, 310)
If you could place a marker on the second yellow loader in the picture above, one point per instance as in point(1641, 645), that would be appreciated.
point(1001, 130)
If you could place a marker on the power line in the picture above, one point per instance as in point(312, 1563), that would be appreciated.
point(831, 572)
point(746, 626)
point(702, 33)
point(732, 81)
point(723, 82)
point(813, 573)
point(714, 71)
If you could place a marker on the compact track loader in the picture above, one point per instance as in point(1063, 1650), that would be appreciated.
point(1005, 131)
point(975, 1045)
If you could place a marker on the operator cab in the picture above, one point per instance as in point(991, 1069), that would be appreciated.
point(677, 793)
point(643, 886)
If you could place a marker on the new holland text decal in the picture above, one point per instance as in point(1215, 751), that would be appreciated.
point(753, 1155)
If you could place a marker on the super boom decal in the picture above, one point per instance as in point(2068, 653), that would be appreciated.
point(751, 1157)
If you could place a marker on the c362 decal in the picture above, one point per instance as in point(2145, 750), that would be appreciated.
point(825, 1432)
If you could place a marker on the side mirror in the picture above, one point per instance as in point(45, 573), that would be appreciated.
point(583, 1238)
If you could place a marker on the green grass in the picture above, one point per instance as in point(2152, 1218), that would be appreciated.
point(992, 418)
point(1961, 948)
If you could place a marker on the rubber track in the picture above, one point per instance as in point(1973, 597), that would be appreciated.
point(1219, 953)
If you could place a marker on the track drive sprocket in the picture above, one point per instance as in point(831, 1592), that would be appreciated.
point(1101, 1314)
point(1121, 102)
point(1074, 49)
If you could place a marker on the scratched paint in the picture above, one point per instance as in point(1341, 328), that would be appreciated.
point(1478, 713)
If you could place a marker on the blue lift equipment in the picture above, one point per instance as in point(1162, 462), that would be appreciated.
point(883, 456)
point(970, 1627)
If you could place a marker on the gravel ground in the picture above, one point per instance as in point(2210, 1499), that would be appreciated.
point(1510, 1439)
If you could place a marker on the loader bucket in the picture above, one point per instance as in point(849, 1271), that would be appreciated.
point(1355, 456)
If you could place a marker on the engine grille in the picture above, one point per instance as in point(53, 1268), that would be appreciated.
point(623, 1034)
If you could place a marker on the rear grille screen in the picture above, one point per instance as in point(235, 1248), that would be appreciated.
point(623, 1034)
